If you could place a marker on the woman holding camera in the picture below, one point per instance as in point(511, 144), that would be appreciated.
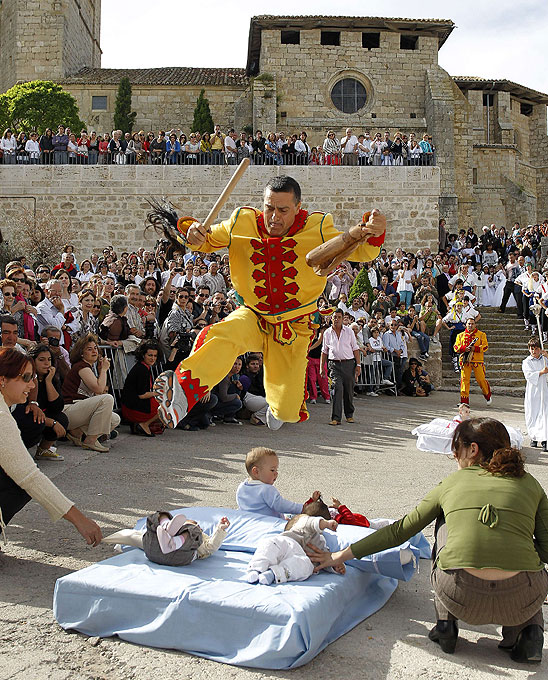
point(178, 330)
point(20, 479)
point(491, 542)
point(87, 403)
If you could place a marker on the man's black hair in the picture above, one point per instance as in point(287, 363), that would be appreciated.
point(7, 318)
point(284, 183)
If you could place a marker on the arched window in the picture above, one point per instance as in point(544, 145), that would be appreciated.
point(348, 95)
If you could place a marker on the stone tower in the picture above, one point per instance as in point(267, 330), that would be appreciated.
point(47, 39)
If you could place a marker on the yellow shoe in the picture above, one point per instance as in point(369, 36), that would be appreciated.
point(350, 420)
point(334, 422)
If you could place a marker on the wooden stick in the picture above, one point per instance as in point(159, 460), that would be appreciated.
point(226, 193)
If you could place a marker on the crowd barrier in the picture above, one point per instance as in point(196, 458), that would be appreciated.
point(213, 158)
point(370, 378)
point(372, 373)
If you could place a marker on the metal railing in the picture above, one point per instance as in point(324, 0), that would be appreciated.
point(143, 157)
point(372, 374)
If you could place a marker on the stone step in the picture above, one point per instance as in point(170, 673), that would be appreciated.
point(494, 370)
point(495, 389)
point(454, 378)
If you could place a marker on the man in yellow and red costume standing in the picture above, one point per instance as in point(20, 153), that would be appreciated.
point(474, 340)
point(278, 292)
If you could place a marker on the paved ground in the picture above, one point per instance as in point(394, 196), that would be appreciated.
point(373, 466)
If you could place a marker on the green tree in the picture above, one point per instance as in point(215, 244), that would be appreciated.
point(203, 122)
point(124, 117)
point(361, 285)
point(38, 105)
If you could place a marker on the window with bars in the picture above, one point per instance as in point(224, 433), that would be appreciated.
point(348, 95)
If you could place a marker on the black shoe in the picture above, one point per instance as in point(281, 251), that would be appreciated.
point(528, 647)
point(136, 428)
point(544, 447)
point(445, 633)
point(533, 444)
point(113, 434)
point(231, 421)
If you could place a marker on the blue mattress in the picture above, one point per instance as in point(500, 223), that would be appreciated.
point(207, 609)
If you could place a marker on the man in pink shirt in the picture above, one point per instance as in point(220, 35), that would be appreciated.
point(341, 350)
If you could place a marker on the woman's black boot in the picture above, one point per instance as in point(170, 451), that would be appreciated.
point(528, 647)
point(445, 633)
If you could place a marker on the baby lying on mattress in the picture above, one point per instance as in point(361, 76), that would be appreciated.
point(282, 558)
point(172, 541)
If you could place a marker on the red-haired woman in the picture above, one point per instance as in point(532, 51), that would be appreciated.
point(20, 478)
point(491, 542)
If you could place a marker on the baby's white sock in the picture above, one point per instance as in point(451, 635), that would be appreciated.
point(266, 578)
point(252, 577)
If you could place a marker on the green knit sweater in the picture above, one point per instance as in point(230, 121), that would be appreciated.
point(492, 522)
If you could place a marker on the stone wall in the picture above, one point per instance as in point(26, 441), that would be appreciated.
point(392, 77)
point(106, 204)
point(162, 107)
point(47, 39)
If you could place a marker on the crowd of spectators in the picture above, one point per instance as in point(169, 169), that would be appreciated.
point(101, 328)
point(416, 294)
point(174, 147)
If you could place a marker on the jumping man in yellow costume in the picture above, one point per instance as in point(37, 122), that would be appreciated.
point(278, 292)
point(464, 343)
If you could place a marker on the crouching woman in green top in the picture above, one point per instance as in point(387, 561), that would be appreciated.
point(491, 542)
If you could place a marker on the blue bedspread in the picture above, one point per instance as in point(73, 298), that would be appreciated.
point(207, 609)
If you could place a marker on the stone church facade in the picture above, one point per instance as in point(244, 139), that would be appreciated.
point(314, 73)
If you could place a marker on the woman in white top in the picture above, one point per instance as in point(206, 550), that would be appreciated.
point(72, 148)
point(70, 302)
point(192, 148)
point(32, 147)
point(332, 148)
point(85, 273)
point(20, 479)
point(405, 283)
point(8, 146)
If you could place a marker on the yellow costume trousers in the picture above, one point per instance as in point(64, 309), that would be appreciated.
point(479, 374)
point(284, 347)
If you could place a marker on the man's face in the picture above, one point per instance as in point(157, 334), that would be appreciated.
point(133, 296)
point(337, 320)
point(253, 366)
point(521, 260)
point(54, 291)
point(53, 334)
point(470, 325)
point(213, 268)
point(280, 211)
point(535, 352)
point(9, 335)
point(150, 288)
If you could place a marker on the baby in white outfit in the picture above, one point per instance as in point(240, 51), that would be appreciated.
point(282, 558)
